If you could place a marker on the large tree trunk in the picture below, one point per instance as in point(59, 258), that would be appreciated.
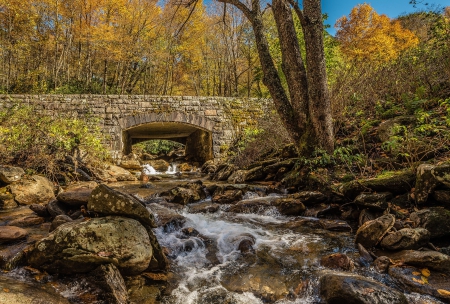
point(306, 113)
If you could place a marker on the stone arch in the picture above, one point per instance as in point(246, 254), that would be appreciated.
point(195, 131)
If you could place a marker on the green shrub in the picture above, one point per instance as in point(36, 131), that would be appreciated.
point(47, 144)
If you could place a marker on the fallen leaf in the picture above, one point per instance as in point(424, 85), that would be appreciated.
point(444, 292)
point(424, 280)
point(416, 273)
point(418, 281)
point(5, 289)
point(426, 272)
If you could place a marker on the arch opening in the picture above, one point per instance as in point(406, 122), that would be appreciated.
point(198, 141)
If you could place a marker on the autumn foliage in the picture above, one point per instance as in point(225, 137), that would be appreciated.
point(366, 35)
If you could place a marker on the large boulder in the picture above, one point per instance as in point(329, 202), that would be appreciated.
point(186, 193)
point(77, 194)
point(436, 220)
point(34, 190)
point(310, 198)
point(395, 183)
point(78, 247)
point(336, 288)
point(224, 172)
point(289, 206)
point(425, 183)
point(387, 128)
point(9, 174)
point(116, 173)
point(227, 195)
point(371, 232)
point(159, 165)
point(337, 261)
point(132, 164)
point(107, 201)
point(407, 238)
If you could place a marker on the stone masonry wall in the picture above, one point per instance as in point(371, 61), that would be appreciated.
point(227, 116)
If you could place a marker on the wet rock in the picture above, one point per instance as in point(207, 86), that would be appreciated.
point(10, 174)
point(224, 172)
point(375, 201)
point(185, 167)
point(423, 281)
point(14, 292)
point(335, 225)
point(442, 197)
point(59, 220)
point(381, 264)
point(309, 198)
point(107, 201)
point(159, 165)
point(187, 193)
point(337, 261)
point(77, 195)
point(371, 232)
point(40, 210)
point(275, 167)
point(189, 231)
point(109, 278)
point(34, 190)
point(227, 196)
point(364, 256)
point(425, 183)
point(396, 183)
point(430, 259)
point(442, 174)
point(289, 206)
point(11, 233)
point(350, 288)
point(407, 238)
point(26, 221)
point(12, 256)
point(204, 208)
point(246, 246)
point(82, 247)
point(167, 218)
point(253, 205)
point(55, 208)
point(435, 220)
point(132, 164)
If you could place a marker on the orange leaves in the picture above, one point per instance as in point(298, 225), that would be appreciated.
point(365, 35)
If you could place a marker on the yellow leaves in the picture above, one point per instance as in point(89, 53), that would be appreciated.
point(424, 274)
point(365, 35)
point(444, 292)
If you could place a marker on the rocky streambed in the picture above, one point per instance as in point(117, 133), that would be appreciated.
point(186, 239)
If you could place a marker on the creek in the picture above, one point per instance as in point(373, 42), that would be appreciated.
point(228, 257)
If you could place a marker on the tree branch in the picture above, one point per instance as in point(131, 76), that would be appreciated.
point(247, 12)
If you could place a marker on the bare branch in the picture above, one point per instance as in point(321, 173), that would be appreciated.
point(247, 12)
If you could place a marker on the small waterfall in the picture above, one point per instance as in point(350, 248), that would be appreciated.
point(172, 168)
point(149, 170)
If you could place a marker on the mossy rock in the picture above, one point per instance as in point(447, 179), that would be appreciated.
point(395, 183)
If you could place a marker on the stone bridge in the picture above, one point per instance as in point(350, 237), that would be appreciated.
point(206, 125)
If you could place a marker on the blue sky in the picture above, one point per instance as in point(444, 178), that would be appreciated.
point(392, 8)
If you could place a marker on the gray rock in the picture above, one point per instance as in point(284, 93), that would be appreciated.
point(371, 232)
point(227, 196)
point(336, 288)
point(9, 174)
point(442, 197)
point(309, 198)
point(166, 218)
point(17, 292)
point(407, 238)
point(204, 208)
point(40, 210)
point(335, 225)
point(436, 220)
point(224, 172)
point(34, 190)
point(386, 128)
point(337, 261)
point(107, 201)
point(254, 174)
point(425, 183)
point(11, 233)
point(26, 221)
point(79, 247)
point(55, 208)
point(375, 201)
